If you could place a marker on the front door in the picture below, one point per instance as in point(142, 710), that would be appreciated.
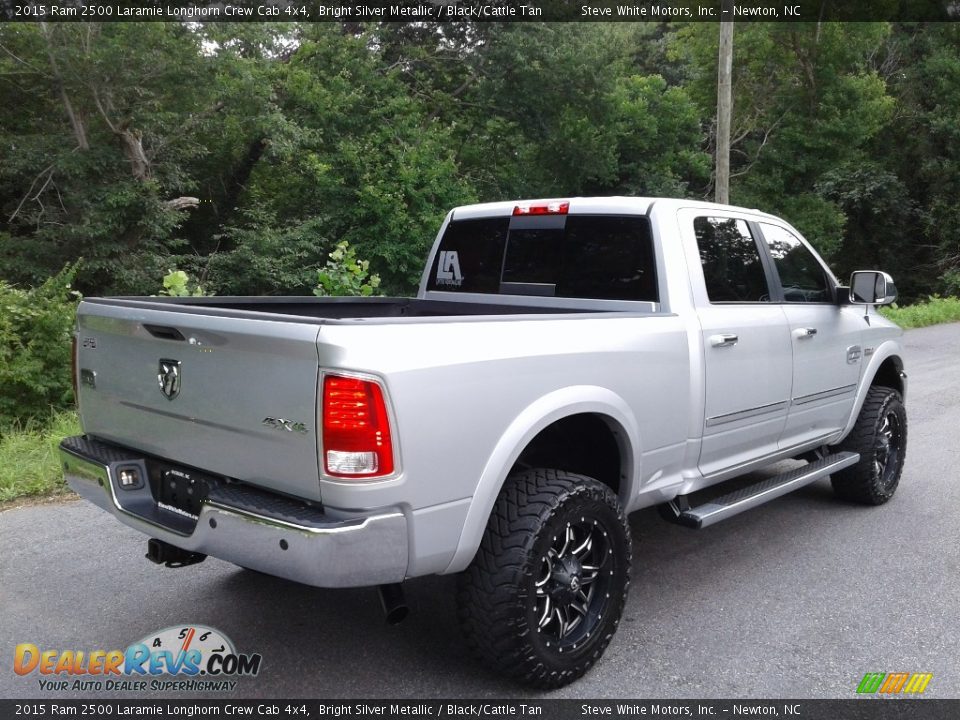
point(826, 340)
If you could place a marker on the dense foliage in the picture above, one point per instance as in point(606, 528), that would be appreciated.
point(243, 154)
point(35, 329)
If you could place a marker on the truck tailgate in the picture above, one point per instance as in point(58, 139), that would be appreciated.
point(202, 390)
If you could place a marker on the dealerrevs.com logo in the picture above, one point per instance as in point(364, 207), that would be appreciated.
point(178, 658)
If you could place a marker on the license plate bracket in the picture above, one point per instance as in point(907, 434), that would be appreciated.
point(179, 490)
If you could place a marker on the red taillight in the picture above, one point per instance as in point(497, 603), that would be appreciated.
point(356, 428)
point(73, 371)
point(553, 208)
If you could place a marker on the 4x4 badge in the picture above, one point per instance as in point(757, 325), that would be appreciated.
point(169, 378)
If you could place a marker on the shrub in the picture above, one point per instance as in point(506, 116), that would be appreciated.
point(176, 283)
point(345, 275)
point(35, 333)
point(933, 311)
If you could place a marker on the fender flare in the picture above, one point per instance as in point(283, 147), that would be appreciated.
point(541, 413)
point(887, 349)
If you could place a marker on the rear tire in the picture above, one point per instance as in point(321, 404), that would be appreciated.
point(880, 436)
point(544, 594)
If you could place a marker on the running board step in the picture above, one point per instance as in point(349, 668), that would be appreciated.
point(751, 496)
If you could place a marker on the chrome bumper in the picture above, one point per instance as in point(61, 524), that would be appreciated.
point(275, 536)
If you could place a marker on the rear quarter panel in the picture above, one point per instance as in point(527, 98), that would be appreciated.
point(467, 396)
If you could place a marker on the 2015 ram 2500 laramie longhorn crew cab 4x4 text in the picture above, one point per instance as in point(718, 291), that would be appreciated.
point(565, 362)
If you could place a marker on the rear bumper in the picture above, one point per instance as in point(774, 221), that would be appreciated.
point(247, 527)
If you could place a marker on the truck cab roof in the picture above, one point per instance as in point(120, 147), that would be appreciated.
point(594, 206)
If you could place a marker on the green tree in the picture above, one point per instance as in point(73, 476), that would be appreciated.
point(100, 140)
point(922, 148)
point(35, 329)
point(355, 158)
point(808, 100)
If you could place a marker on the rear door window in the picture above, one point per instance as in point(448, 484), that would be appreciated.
point(732, 268)
point(604, 257)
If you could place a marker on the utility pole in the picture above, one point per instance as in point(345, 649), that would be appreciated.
point(724, 105)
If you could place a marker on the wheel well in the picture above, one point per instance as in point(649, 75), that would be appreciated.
point(888, 374)
point(586, 444)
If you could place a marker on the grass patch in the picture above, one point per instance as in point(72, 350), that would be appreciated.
point(29, 463)
point(934, 311)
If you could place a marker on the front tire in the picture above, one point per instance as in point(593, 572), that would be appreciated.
point(544, 594)
point(880, 436)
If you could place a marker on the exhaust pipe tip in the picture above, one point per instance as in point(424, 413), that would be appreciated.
point(397, 615)
point(394, 603)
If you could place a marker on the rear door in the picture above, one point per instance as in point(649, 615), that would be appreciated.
point(231, 396)
point(746, 342)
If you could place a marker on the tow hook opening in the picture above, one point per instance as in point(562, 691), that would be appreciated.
point(163, 553)
point(394, 603)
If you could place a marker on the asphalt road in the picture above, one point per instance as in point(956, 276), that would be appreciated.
point(797, 599)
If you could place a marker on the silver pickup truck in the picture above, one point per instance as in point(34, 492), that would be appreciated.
point(565, 363)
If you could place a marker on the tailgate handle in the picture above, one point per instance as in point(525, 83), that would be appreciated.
point(164, 333)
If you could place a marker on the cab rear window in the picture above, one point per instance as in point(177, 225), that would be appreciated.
point(604, 257)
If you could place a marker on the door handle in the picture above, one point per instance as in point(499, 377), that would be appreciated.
point(724, 340)
point(802, 333)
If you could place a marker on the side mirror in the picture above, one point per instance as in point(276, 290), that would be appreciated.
point(872, 287)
